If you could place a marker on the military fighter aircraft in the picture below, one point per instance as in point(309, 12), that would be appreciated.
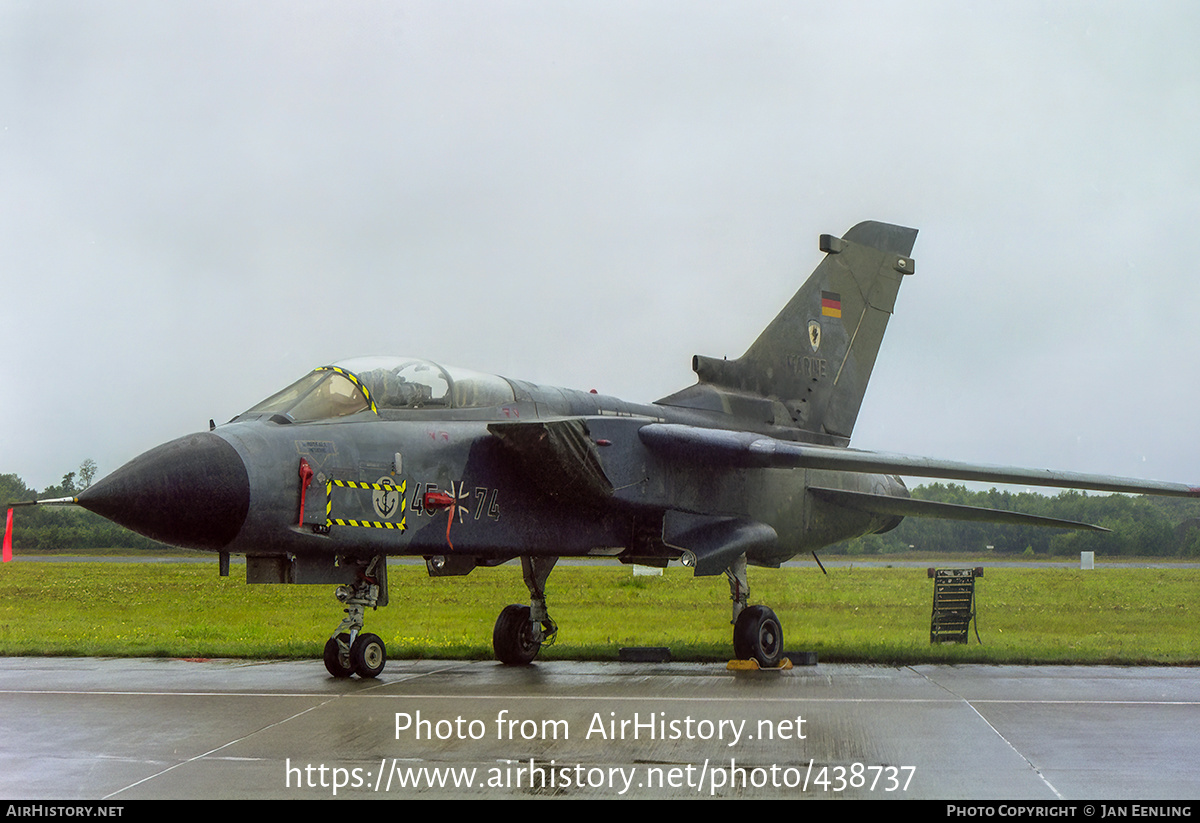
point(396, 456)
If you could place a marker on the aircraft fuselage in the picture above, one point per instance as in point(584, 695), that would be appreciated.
point(444, 482)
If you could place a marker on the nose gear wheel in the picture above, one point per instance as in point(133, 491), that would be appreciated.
point(350, 650)
point(337, 656)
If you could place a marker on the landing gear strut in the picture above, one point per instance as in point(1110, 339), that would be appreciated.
point(350, 650)
point(521, 631)
point(757, 633)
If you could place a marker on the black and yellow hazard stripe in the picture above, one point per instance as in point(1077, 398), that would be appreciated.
point(330, 520)
point(367, 524)
point(353, 378)
point(375, 487)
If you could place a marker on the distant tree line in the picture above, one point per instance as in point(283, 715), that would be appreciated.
point(66, 528)
point(1143, 526)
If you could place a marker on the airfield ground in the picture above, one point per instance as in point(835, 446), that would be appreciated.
point(116, 726)
point(1055, 614)
point(119, 730)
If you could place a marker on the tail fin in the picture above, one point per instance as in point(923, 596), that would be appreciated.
point(813, 362)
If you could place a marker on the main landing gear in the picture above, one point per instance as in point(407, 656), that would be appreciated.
point(521, 631)
point(351, 650)
point(757, 634)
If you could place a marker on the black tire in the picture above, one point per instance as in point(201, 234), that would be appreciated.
point(368, 655)
point(336, 663)
point(512, 639)
point(758, 635)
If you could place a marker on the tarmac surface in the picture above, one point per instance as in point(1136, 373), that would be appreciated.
point(124, 729)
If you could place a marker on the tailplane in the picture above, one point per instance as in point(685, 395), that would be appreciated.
point(809, 368)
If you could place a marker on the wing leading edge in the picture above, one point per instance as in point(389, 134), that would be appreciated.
point(750, 450)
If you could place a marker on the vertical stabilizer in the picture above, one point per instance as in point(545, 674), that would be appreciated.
point(815, 358)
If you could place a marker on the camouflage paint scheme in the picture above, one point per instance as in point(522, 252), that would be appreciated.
point(398, 456)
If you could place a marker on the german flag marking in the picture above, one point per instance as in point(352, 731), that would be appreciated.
point(831, 304)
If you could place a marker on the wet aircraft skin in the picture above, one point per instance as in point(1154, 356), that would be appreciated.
point(221, 490)
point(395, 456)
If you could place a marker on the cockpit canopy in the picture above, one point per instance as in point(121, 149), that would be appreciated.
point(383, 384)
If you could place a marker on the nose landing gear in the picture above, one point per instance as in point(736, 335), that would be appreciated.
point(350, 650)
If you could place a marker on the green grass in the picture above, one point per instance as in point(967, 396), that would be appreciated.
point(1042, 615)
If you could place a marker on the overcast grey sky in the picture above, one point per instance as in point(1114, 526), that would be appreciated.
point(202, 201)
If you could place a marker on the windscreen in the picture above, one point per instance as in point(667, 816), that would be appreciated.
point(318, 396)
point(389, 383)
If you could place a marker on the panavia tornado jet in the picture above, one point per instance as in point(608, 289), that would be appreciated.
point(394, 456)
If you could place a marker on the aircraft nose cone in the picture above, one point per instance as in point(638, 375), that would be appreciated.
point(192, 492)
